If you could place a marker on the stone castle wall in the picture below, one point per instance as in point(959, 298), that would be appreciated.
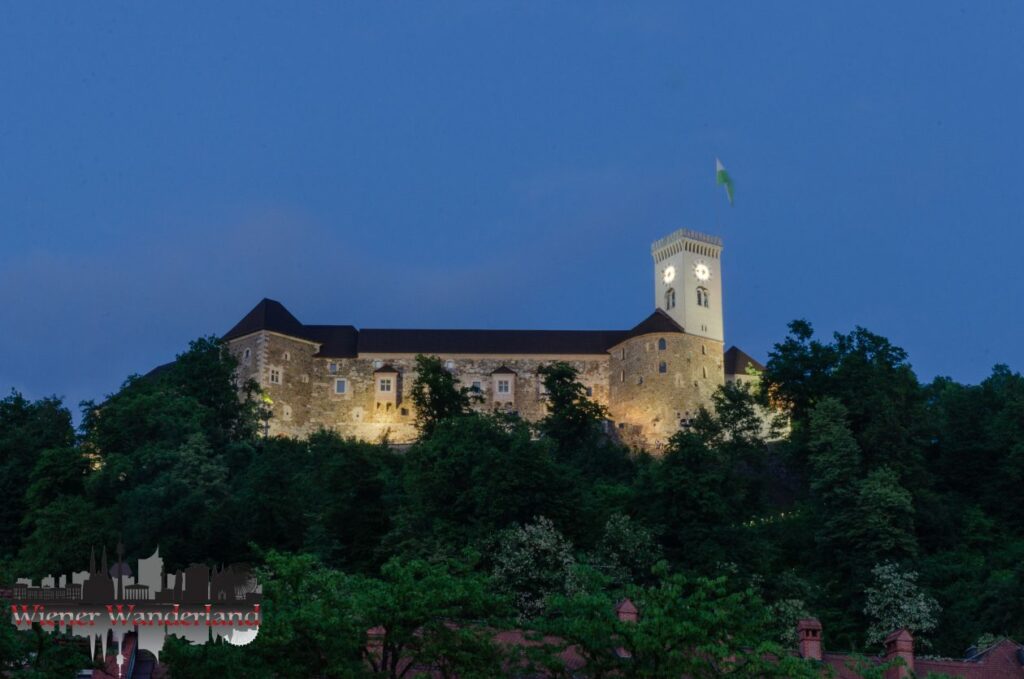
point(305, 398)
point(648, 404)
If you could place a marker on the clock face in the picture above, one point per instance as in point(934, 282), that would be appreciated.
point(669, 274)
point(701, 271)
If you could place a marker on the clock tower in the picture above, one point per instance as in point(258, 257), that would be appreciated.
point(688, 281)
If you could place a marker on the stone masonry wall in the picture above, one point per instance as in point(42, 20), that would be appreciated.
point(647, 404)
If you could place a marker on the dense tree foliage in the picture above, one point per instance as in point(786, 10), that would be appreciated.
point(886, 502)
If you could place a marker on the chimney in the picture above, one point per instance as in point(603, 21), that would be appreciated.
point(626, 611)
point(808, 631)
point(899, 645)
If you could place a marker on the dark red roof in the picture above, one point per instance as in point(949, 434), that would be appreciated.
point(737, 361)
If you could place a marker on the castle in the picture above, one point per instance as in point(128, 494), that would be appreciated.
point(652, 378)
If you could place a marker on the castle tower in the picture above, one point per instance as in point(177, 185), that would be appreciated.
point(688, 281)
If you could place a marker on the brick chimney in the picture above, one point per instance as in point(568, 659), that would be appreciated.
point(808, 631)
point(626, 611)
point(899, 644)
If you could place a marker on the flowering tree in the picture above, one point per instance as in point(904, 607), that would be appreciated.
point(895, 601)
point(534, 562)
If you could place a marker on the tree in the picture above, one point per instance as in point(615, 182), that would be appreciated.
point(895, 601)
point(533, 563)
point(693, 498)
point(836, 468)
point(627, 551)
point(693, 627)
point(473, 476)
point(436, 394)
point(27, 429)
point(422, 615)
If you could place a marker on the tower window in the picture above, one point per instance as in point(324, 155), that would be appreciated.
point(663, 367)
point(702, 297)
point(704, 349)
point(662, 344)
point(590, 391)
point(246, 355)
point(670, 298)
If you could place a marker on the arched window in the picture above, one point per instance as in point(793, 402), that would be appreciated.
point(702, 297)
point(663, 367)
point(662, 344)
point(670, 299)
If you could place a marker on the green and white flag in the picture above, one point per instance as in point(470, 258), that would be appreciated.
point(723, 178)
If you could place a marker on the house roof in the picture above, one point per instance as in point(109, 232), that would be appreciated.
point(737, 361)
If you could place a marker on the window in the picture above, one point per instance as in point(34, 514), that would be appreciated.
point(702, 297)
point(405, 412)
point(286, 356)
point(476, 387)
point(449, 365)
point(590, 391)
point(378, 363)
point(663, 367)
point(662, 344)
point(340, 386)
point(704, 370)
point(332, 368)
point(246, 356)
point(384, 384)
point(622, 353)
point(670, 298)
point(504, 386)
point(704, 349)
point(275, 376)
point(640, 379)
point(622, 376)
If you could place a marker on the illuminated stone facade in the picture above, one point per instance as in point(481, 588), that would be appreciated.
point(652, 378)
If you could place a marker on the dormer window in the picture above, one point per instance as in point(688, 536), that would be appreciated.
point(504, 381)
point(670, 299)
point(386, 380)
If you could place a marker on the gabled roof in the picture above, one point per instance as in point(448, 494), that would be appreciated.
point(736, 362)
point(504, 370)
point(386, 369)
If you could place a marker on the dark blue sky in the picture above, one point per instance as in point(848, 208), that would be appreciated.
point(503, 165)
